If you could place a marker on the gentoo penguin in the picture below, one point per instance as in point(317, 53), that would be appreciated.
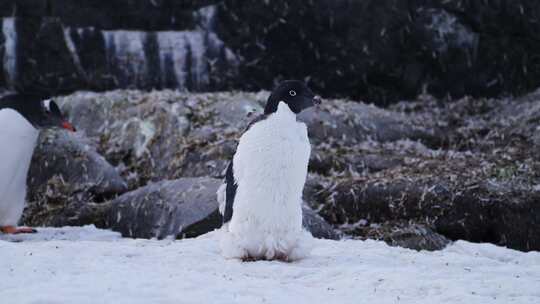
point(21, 118)
point(261, 198)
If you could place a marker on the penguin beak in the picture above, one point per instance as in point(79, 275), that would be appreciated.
point(68, 126)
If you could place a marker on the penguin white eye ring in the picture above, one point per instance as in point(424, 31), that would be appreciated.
point(292, 93)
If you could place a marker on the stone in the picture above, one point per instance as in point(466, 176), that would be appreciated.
point(186, 207)
point(65, 175)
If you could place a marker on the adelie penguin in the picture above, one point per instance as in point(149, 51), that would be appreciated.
point(21, 118)
point(261, 198)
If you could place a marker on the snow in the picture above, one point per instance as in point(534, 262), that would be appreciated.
point(87, 265)
point(10, 49)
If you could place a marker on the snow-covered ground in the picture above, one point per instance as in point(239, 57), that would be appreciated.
point(87, 265)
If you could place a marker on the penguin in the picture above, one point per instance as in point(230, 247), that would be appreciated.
point(261, 197)
point(21, 118)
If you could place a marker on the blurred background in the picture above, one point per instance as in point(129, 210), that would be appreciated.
point(378, 51)
point(429, 133)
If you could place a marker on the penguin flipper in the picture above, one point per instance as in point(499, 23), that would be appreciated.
point(230, 193)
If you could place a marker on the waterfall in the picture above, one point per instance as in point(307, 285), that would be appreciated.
point(10, 50)
point(125, 56)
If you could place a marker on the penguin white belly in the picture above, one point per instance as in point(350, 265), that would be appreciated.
point(270, 168)
point(17, 142)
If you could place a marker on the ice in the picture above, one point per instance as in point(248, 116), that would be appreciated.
point(10, 50)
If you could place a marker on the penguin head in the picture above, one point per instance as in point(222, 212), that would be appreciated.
point(50, 116)
point(41, 113)
point(295, 94)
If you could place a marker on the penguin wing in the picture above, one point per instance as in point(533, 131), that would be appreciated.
point(227, 192)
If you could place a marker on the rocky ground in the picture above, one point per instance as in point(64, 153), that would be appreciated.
point(418, 174)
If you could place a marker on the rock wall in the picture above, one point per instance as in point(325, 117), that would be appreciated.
point(380, 51)
point(54, 47)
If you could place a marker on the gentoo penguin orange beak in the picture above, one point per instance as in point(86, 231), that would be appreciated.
point(68, 126)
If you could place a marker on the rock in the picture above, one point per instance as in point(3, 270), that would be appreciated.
point(66, 174)
point(354, 122)
point(398, 233)
point(186, 207)
point(143, 134)
point(318, 227)
point(388, 50)
point(417, 237)
point(503, 213)
point(60, 48)
point(382, 52)
point(145, 14)
point(43, 63)
point(167, 135)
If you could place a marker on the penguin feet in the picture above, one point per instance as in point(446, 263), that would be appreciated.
point(278, 257)
point(15, 230)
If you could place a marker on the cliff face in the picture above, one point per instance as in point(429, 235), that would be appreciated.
point(65, 46)
point(381, 51)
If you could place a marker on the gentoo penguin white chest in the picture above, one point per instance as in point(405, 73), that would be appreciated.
point(21, 117)
point(17, 141)
point(264, 214)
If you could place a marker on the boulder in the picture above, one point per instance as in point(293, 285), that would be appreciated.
point(503, 213)
point(398, 233)
point(318, 227)
point(66, 176)
point(186, 207)
point(167, 135)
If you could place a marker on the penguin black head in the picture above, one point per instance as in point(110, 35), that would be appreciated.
point(295, 94)
point(41, 113)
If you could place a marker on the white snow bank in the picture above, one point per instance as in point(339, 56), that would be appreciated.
point(87, 265)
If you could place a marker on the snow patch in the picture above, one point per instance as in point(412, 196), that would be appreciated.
point(10, 50)
point(125, 55)
point(87, 265)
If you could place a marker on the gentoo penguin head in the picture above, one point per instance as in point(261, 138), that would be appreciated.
point(295, 94)
point(41, 113)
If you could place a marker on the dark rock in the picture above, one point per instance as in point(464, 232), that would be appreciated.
point(398, 233)
point(387, 50)
point(44, 64)
point(318, 227)
point(117, 14)
point(69, 47)
point(382, 51)
point(66, 176)
point(186, 207)
point(505, 216)
point(417, 237)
